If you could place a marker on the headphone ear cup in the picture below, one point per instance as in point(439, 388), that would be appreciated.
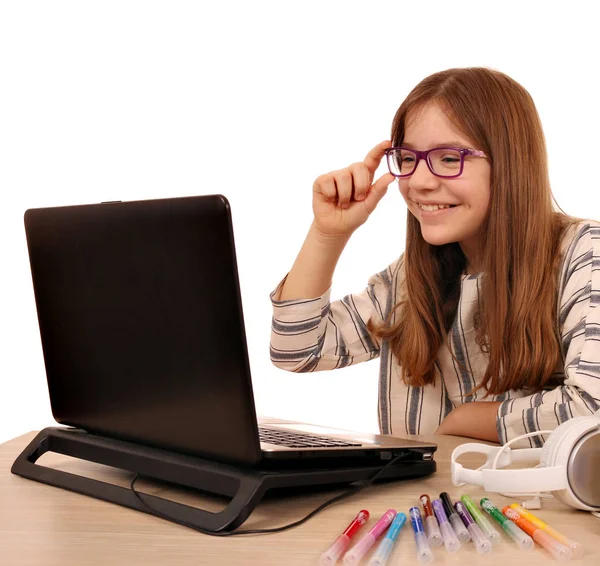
point(549, 449)
point(557, 452)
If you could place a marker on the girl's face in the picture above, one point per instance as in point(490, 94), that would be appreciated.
point(469, 194)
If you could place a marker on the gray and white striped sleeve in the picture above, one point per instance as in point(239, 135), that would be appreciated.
point(314, 334)
point(579, 322)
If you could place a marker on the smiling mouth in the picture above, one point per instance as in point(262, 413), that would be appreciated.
point(434, 207)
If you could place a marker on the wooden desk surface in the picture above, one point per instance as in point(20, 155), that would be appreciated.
point(44, 525)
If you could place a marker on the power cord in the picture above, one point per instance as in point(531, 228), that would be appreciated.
point(356, 488)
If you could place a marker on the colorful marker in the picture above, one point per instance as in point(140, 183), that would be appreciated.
point(576, 548)
point(487, 527)
point(385, 546)
point(480, 540)
point(432, 529)
point(424, 553)
point(523, 540)
point(354, 555)
point(451, 541)
point(331, 555)
point(557, 549)
point(459, 527)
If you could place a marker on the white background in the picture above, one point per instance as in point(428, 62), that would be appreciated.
point(127, 100)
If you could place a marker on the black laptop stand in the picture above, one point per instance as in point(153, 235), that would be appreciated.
point(245, 487)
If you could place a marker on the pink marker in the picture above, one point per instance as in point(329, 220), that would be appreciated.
point(354, 555)
point(331, 555)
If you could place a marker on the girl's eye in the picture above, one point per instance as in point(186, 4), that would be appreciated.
point(445, 161)
point(450, 158)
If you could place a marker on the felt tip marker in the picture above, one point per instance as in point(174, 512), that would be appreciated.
point(522, 539)
point(486, 526)
point(480, 540)
point(424, 553)
point(385, 546)
point(354, 555)
point(331, 555)
point(557, 549)
point(451, 541)
point(459, 527)
point(576, 548)
point(432, 529)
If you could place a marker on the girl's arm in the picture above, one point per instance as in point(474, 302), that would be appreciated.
point(579, 306)
point(314, 334)
point(473, 420)
point(342, 202)
point(308, 333)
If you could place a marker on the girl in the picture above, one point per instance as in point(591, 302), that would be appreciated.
point(487, 325)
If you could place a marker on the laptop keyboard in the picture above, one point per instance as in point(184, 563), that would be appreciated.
point(299, 440)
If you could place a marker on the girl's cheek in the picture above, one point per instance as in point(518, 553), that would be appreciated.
point(403, 187)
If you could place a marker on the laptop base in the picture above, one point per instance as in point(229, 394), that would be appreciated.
point(246, 487)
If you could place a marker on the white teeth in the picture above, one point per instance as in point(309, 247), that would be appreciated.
point(433, 207)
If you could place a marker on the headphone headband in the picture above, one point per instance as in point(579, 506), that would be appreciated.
point(516, 481)
point(507, 457)
point(566, 464)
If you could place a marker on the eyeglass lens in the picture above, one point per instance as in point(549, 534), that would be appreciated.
point(446, 162)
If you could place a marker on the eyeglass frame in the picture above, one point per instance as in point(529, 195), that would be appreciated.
point(425, 156)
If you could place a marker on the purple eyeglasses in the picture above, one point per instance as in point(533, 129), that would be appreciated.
point(445, 162)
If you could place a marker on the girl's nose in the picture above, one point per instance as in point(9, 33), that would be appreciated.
point(423, 178)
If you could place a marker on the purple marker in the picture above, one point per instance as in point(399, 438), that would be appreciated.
point(451, 542)
point(459, 527)
point(482, 543)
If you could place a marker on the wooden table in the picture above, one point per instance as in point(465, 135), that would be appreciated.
point(44, 525)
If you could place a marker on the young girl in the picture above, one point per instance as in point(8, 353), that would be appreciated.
point(488, 325)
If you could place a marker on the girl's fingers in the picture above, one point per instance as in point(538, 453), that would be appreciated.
point(362, 180)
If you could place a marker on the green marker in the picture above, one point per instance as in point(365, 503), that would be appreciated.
point(481, 520)
point(488, 506)
point(523, 540)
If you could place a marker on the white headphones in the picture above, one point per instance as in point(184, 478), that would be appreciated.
point(568, 467)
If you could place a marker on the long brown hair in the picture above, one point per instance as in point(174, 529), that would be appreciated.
point(517, 325)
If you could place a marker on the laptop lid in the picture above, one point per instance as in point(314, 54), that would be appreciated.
point(142, 331)
point(141, 323)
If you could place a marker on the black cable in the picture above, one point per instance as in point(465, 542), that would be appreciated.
point(357, 487)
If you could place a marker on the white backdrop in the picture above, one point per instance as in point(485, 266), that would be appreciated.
point(127, 100)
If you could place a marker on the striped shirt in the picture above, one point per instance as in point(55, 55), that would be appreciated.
point(316, 334)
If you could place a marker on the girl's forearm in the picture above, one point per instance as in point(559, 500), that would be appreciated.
point(312, 272)
point(473, 420)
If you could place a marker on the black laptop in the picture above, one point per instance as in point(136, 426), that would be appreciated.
point(143, 337)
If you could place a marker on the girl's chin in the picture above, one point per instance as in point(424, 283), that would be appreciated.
point(438, 236)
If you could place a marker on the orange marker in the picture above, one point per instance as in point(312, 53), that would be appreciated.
point(576, 548)
point(557, 549)
point(432, 529)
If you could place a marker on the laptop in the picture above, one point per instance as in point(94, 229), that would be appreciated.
point(142, 331)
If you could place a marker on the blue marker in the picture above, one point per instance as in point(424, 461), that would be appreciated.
point(385, 546)
point(424, 553)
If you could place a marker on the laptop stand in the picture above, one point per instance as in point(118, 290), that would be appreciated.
point(244, 486)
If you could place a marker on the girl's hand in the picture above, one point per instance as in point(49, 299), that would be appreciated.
point(344, 199)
